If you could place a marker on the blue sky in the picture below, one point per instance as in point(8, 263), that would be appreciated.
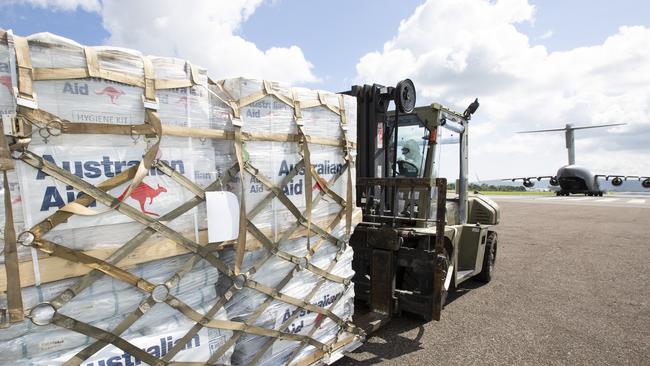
point(334, 34)
point(532, 63)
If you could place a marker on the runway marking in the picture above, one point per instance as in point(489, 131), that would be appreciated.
point(623, 200)
point(607, 200)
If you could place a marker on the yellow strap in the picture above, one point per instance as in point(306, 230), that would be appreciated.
point(63, 73)
point(131, 212)
point(60, 217)
point(81, 210)
point(142, 170)
point(321, 101)
point(266, 242)
point(25, 69)
point(92, 63)
point(127, 248)
point(92, 262)
point(297, 110)
point(149, 79)
point(350, 164)
point(194, 74)
point(262, 204)
point(318, 355)
point(172, 84)
point(306, 156)
point(48, 73)
point(314, 328)
point(151, 118)
point(6, 162)
point(180, 179)
point(342, 110)
point(14, 298)
point(251, 98)
point(290, 206)
point(254, 97)
point(292, 300)
point(100, 334)
point(241, 238)
point(103, 340)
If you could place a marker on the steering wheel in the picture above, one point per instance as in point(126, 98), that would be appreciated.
point(407, 169)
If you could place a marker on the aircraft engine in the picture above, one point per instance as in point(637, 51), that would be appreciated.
point(617, 181)
point(528, 183)
point(646, 183)
point(553, 181)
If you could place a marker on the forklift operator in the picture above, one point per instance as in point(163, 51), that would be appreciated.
point(411, 153)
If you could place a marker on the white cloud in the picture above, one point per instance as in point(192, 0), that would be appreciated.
point(455, 50)
point(203, 31)
point(546, 35)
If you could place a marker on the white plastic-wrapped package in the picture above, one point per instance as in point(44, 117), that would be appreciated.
point(106, 302)
point(84, 116)
point(278, 313)
point(281, 316)
point(95, 158)
point(276, 160)
point(7, 102)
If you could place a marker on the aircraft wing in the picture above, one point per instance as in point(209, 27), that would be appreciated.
point(528, 182)
point(618, 179)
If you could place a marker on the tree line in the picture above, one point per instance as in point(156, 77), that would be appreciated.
point(488, 187)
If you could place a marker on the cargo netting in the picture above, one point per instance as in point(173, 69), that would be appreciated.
point(107, 156)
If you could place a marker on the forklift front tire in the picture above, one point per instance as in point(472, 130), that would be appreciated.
point(489, 258)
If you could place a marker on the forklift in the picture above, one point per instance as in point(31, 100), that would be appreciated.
point(415, 242)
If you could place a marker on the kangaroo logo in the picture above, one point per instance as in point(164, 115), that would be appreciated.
point(112, 93)
point(6, 81)
point(141, 193)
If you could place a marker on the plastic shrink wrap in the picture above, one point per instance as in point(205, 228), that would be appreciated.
point(294, 297)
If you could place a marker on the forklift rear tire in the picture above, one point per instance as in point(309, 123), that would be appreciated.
point(489, 258)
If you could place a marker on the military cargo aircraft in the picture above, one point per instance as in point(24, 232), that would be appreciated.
point(574, 179)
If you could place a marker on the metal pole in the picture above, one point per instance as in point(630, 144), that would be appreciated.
point(441, 262)
point(395, 142)
point(462, 179)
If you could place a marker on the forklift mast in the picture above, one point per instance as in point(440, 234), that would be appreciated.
point(401, 252)
point(373, 127)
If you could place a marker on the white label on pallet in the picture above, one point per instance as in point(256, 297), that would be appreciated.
point(223, 216)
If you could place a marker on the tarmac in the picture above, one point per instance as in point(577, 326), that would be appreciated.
point(571, 287)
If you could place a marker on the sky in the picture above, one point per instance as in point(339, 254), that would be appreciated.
point(533, 64)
